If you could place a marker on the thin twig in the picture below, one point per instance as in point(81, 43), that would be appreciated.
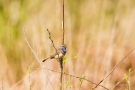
point(60, 61)
point(114, 68)
point(74, 77)
point(52, 42)
point(57, 72)
point(37, 58)
point(29, 81)
point(29, 71)
point(31, 48)
point(80, 86)
point(129, 80)
point(121, 81)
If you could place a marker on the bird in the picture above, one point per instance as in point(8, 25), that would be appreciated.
point(61, 51)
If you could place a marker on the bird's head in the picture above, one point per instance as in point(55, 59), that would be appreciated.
point(63, 48)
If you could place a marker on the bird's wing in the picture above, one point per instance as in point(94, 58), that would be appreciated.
point(57, 55)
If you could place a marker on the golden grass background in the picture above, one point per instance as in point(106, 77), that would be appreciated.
point(99, 32)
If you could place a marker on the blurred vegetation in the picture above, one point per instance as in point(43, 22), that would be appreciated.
point(98, 32)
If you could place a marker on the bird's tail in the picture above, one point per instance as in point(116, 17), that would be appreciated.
point(45, 59)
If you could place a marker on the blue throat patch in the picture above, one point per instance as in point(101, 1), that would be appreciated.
point(64, 49)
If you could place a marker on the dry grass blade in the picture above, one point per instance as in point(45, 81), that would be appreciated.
point(37, 58)
point(114, 68)
point(31, 48)
point(61, 61)
point(121, 81)
point(63, 29)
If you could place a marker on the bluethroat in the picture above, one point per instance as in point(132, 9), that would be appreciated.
point(61, 51)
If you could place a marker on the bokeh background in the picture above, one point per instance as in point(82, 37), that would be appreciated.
point(98, 34)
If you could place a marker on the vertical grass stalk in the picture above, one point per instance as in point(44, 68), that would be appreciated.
point(61, 61)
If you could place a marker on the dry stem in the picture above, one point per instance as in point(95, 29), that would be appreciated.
point(114, 68)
